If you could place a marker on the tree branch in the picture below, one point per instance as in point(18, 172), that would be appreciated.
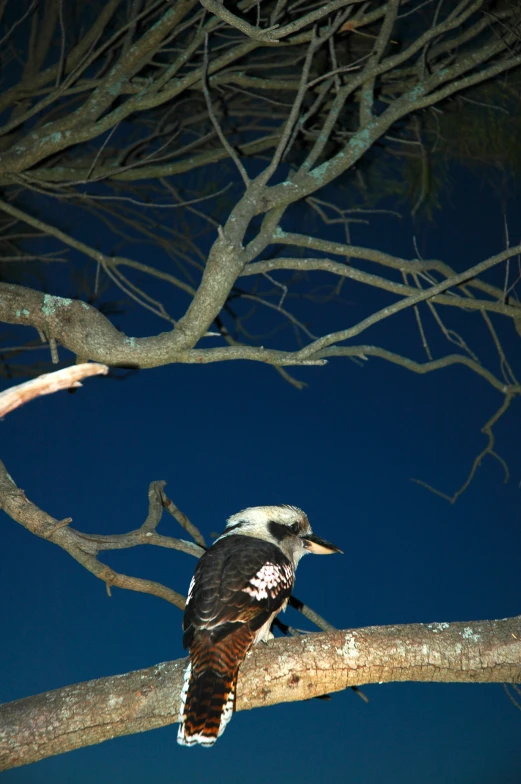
point(420, 296)
point(349, 271)
point(48, 383)
point(285, 670)
point(84, 548)
point(275, 33)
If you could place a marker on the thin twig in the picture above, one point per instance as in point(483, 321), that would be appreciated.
point(224, 141)
point(487, 429)
point(183, 520)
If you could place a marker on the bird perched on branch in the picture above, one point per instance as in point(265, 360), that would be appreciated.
point(240, 584)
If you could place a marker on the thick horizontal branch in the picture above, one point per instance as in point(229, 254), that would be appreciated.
point(283, 671)
point(93, 334)
point(83, 329)
point(90, 335)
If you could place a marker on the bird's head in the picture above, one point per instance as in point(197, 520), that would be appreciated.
point(285, 526)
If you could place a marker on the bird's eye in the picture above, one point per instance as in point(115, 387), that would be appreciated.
point(295, 527)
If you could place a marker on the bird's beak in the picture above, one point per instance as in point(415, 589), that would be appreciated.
point(319, 546)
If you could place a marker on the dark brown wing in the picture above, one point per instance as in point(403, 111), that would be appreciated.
point(239, 580)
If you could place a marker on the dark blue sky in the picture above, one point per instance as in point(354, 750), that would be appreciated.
point(232, 435)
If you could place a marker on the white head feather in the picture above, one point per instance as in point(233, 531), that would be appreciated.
point(285, 526)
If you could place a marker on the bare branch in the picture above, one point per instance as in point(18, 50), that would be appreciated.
point(224, 141)
point(422, 368)
point(48, 383)
point(125, 104)
point(285, 670)
point(183, 520)
point(96, 255)
point(420, 296)
point(367, 92)
point(488, 430)
point(349, 271)
point(84, 548)
point(274, 33)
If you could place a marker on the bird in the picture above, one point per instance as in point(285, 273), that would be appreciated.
point(240, 585)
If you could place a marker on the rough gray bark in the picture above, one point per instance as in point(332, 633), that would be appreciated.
point(283, 671)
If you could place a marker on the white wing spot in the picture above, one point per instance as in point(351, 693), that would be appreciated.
point(270, 580)
point(190, 590)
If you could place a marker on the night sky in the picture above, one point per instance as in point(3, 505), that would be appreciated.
point(227, 436)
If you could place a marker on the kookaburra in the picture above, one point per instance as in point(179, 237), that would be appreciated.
point(240, 584)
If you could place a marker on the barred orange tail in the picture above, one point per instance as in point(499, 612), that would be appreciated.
point(209, 706)
point(208, 695)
